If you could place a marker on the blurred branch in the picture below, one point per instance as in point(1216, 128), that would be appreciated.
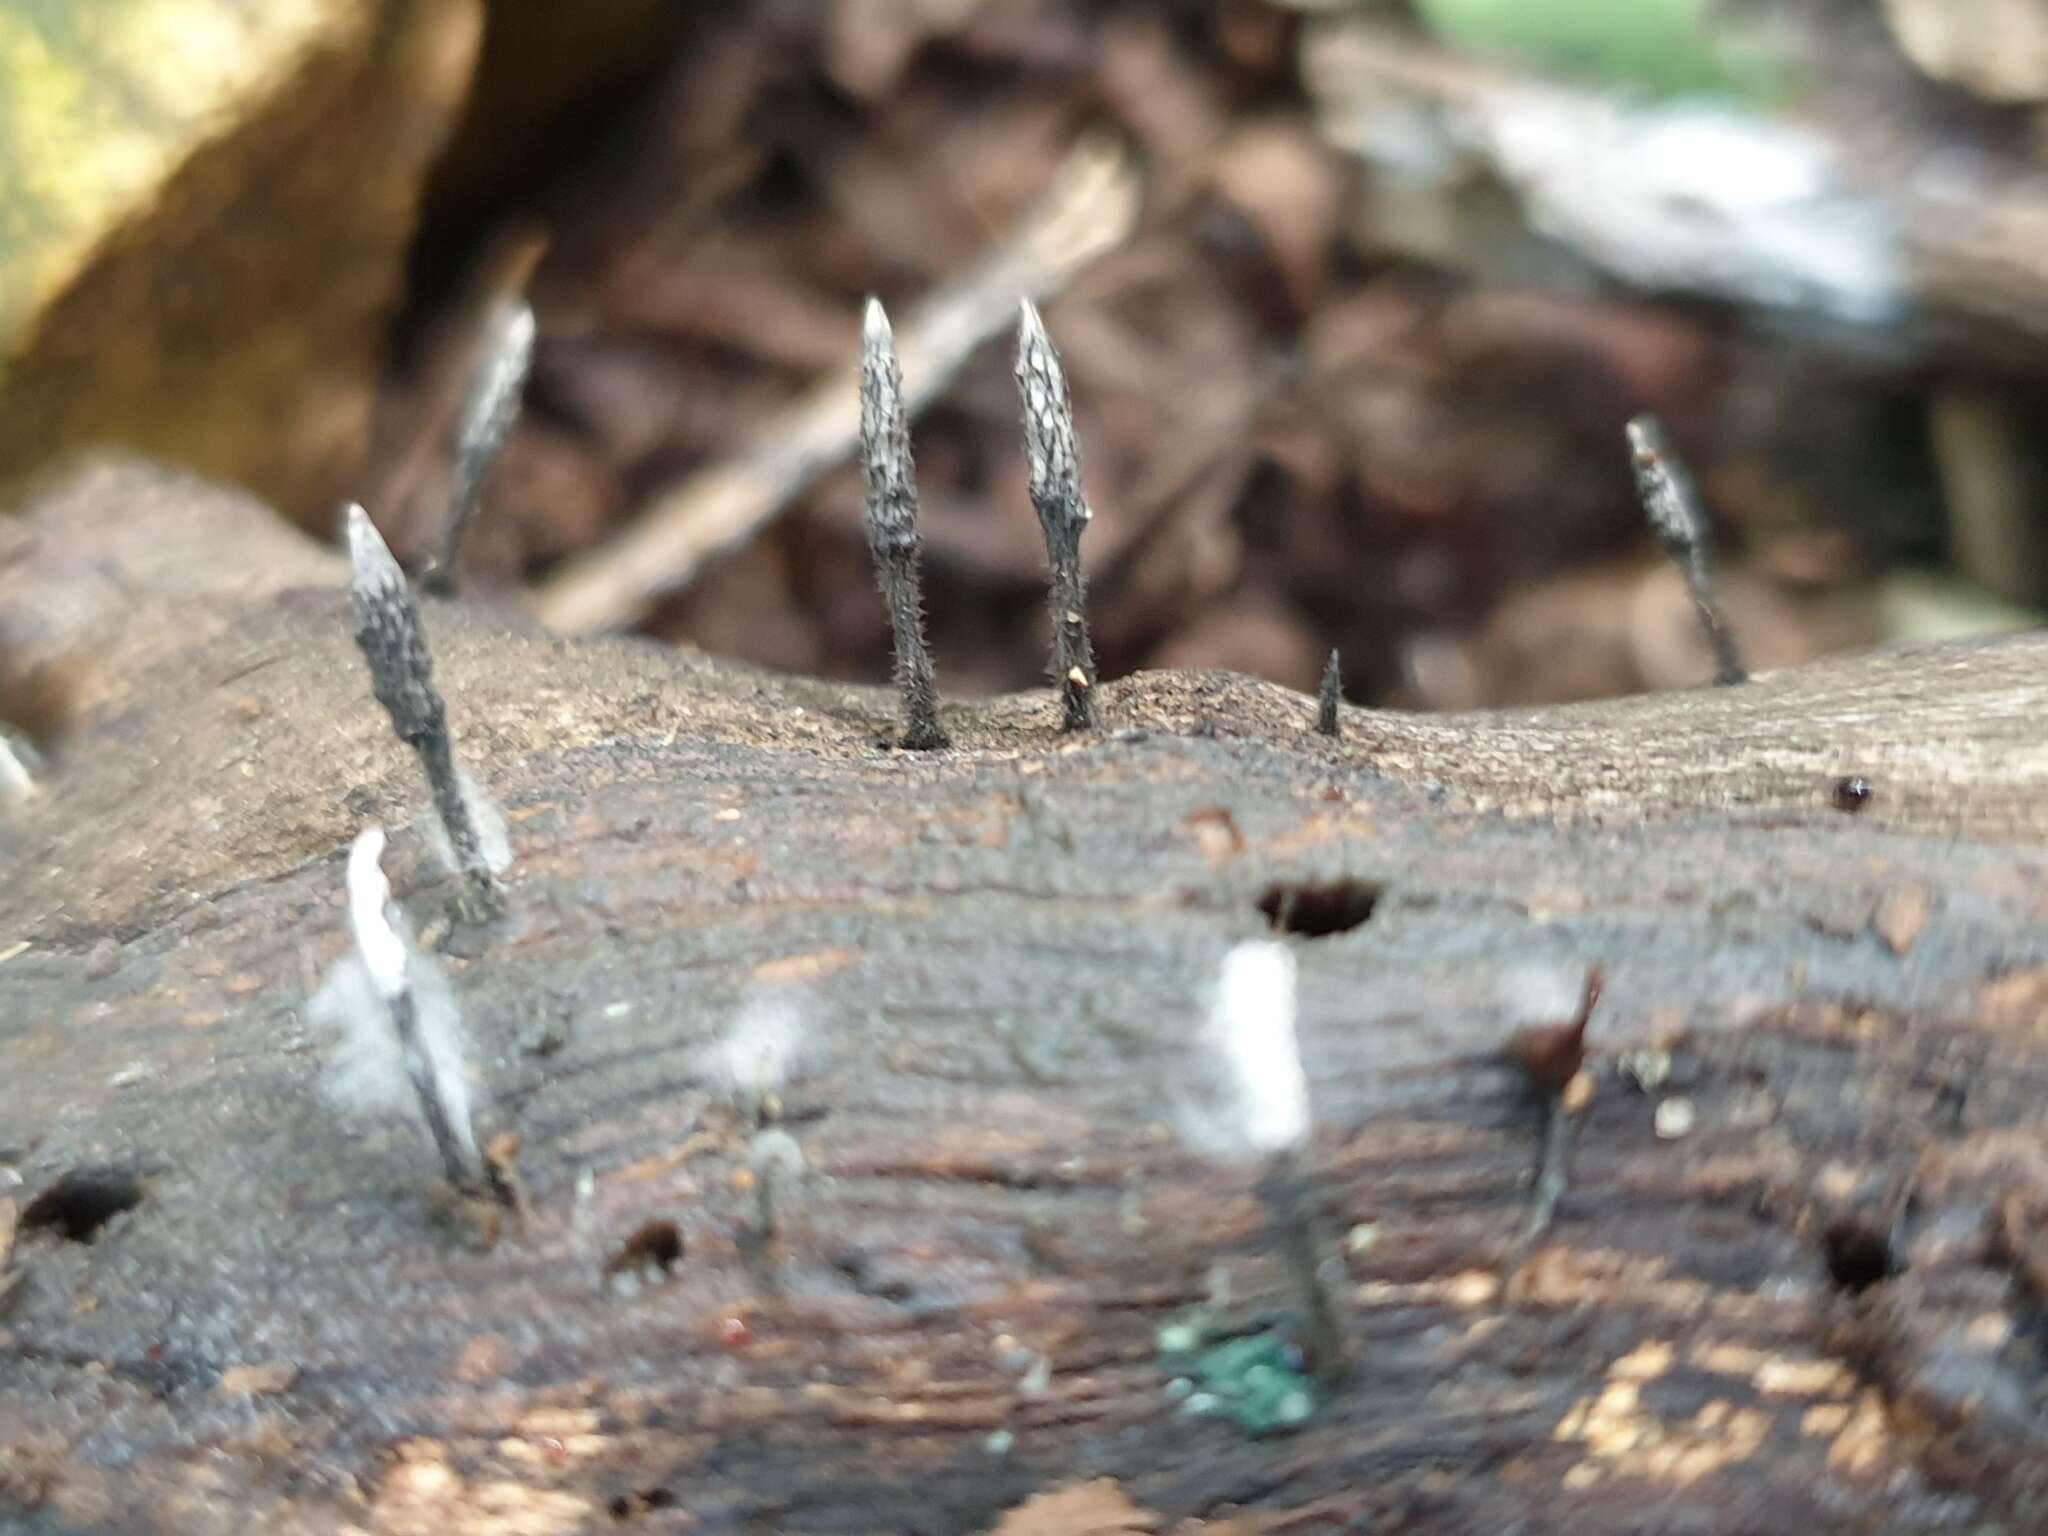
point(1090, 207)
point(1914, 246)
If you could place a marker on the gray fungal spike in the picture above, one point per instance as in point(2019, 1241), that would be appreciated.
point(387, 624)
point(1331, 695)
point(1671, 501)
point(489, 410)
point(1053, 451)
point(892, 526)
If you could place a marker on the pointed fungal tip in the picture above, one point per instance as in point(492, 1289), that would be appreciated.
point(382, 951)
point(1645, 440)
point(368, 554)
point(1030, 324)
point(520, 324)
point(368, 847)
point(874, 325)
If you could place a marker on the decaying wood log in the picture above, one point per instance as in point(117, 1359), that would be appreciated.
point(1795, 1283)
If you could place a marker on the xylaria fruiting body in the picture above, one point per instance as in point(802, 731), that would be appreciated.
point(1052, 449)
point(891, 520)
point(387, 625)
point(489, 410)
point(1329, 697)
point(1264, 1112)
point(1672, 503)
point(386, 958)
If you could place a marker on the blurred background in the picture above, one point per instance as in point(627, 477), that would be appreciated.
point(1354, 299)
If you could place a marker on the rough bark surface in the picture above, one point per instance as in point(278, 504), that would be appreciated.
point(1818, 1308)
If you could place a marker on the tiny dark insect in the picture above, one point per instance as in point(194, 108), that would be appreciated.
point(1852, 794)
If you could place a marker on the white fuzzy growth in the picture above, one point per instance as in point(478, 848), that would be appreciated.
point(1259, 1102)
point(378, 944)
point(758, 1055)
point(1252, 1022)
point(774, 1153)
point(874, 325)
point(1542, 992)
point(366, 1068)
point(492, 838)
point(16, 783)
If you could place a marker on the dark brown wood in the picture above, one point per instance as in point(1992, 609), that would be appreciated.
point(1002, 952)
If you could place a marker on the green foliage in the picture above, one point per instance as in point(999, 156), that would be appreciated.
point(1663, 47)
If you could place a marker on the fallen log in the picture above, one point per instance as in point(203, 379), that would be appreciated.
point(1794, 1281)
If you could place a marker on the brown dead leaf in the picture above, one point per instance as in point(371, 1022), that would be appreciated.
point(257, 1380)
point(1278, 177)
point(1079, 1509)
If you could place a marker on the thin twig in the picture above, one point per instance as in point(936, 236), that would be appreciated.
point(1090, 207)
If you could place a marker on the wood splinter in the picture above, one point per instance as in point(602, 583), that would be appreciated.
point(891, 519)
point(1672, 503)
point(1053, 450)
point(489, 410)
point(388, 632)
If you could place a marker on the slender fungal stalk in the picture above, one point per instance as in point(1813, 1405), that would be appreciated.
point(1053, 450)
point(387, 624)
point(1672, 503)
point(1284, 1193)
point(419, 1067)
point(1331, 695)
point(387, 958)
point(892, 526)
point(489, 410)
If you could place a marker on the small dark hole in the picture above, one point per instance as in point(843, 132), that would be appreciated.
point(658, 1245)
point(627, 1505)
point(82, 1202)
point(1315, 910)
point(1859, 1255)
